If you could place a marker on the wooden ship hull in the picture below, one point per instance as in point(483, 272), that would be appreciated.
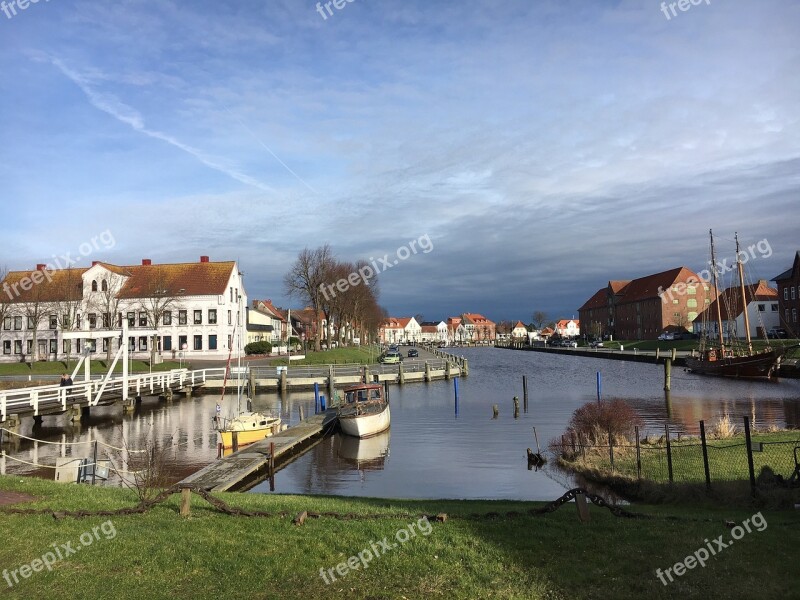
point(763, 364)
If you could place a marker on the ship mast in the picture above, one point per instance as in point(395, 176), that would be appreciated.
point(716, 296)
point(744, 297)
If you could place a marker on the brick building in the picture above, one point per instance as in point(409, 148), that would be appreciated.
point(789, 297)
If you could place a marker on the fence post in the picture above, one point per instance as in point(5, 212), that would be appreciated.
point(749, 444)
point(638, 454)
point(705, 454)
point(669, 453)
point(611, 449)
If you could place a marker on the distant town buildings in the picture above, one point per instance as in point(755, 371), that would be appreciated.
point(762, 312)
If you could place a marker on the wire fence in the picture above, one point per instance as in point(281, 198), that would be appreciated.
point(757, 457)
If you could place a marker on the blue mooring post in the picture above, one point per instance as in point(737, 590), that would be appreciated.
point(455, 388)
point(322, 403)
point(316, 398)
point(598, 387)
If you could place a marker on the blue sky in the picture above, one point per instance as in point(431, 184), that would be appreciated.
point(544, 147)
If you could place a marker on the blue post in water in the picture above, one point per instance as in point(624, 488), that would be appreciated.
point(322, 403)
point(316, 398)
point(455, 388)
point(598, 386)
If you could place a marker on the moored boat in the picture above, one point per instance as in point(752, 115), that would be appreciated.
point(364, 412)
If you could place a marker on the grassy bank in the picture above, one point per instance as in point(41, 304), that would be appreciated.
point(336, 356)
point(59, 367)
point(211, 555)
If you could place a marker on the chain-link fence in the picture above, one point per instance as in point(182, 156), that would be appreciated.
point(760, 458)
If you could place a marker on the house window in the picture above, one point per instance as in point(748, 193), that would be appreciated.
point(53, 322)
point(691, 303)
point(231, 294)
point(793, 296)
point(198, 317)
point(774, 308)
point(167, 318)
point(106, 320)
point(143, 342)
point(65, 346)
point(31, 324)
point(92, 321)
point(198, 342)
point(54, 346)
point(786, 313)
point(794, 315)
point(212, 342)
point(167, 342)
point(78, 346)
point(105, 344)
point(181, 317)
point(94, 285)
point(212, 316)
point(17, 323)
point(230, 318)
point(66, 320)
point(7, 347)
point(142, 319)
point(7, 323)
point(182, 342)
point(104, 286)
point(131, 319)
point(786, 293)
point(761, 307)
point(132, 344)
point(17, 346)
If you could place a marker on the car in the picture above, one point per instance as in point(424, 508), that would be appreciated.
point(665, 336)
point(778, 333)
point(596, 344)
point(570, 344)
point(413, 353)
point(392, 357)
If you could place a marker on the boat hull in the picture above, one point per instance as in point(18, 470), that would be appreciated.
point(363, 426)
point(249, 428)
point(757, 365)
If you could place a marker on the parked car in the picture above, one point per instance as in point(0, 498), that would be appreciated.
point(596, 344)
point(413, 353)
point(666, 336)
point(392, 357)
point(778, 333)
point(570, 344)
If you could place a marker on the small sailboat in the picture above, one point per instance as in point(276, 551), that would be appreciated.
point(365, 411)
point(247, 426)
point(729, 358)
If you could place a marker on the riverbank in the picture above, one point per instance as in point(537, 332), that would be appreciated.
point(158, 554)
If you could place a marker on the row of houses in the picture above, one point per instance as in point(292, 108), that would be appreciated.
point(678, 299)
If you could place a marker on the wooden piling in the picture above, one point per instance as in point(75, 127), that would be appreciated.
point(284, 381)
point(516, 407)
point(401, 378)
point(427, 371)
point(667, 374)
point(525, 393)
point(495, 411)
point(583, 507)
point(235, 440)
point(301, 413)
point(186, 502)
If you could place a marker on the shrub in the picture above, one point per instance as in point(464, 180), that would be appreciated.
point(595, 421)
point(258, 348)
point(724, 428)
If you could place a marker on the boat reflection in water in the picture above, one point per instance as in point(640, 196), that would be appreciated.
point(367, 454)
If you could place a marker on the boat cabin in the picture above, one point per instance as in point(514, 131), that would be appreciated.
point(363, 393)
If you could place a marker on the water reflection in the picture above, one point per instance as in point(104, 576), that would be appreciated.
point(433, 454)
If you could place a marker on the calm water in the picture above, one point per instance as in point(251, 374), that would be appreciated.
point(429, 452)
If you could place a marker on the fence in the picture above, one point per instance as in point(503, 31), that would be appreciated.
point(670, 459)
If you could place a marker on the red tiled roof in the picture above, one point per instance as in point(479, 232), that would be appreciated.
point(476, 318)
point(429, 328)
point(598, 300)
point(520, 324)
point(43, 286)
point(181, 279)
point(648, 287)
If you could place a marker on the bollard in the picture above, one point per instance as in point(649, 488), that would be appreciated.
point(667, 374)
point(283, 381)
point(598, 387)
point(455, 389)
point(401, 379)
point(583, 507)
point(427, 371)
point(186, 502)
point(525, 393)
point(322, 403)
point(516, 407)
point(235, 440)
point(316, 398)
point(495, 411)
point(301, 413)
point(331, 382)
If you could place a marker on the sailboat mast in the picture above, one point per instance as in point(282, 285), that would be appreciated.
point(238, 356)
point(716, 295)
point(744, 297)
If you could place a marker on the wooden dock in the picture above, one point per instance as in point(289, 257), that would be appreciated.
point(230, 471)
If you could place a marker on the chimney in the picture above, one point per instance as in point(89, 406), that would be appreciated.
point(95, 262)
point(204, 259)
point(146, 262)
point(41, 267)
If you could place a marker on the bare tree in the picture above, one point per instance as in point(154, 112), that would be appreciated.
point(108, 303)
point(306, 278)
point(538, 319)
point(5, 304)
point(159, 295)
point(67, 301)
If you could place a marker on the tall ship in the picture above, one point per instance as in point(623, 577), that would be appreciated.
point(728, 356)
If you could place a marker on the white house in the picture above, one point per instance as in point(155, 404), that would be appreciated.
point(433, 333)
point(568, 328)
point(403, 330)
point(194, 307)
point(520, 332)
point(762, 312)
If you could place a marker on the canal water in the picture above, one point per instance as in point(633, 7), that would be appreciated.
point(429, 452)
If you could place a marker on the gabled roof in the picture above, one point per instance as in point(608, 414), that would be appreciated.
point(43, 286)
point(790, 271)
point(476, 318)
point(730, 301)
point(428, 328)
point(648, 287)
point(520, 324)
point(618, 285)
point(598, 300)
point(179, 279)
point(267, 307)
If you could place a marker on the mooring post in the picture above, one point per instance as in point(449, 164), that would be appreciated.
point(94, 459)
point(427, 371)
point(495, 411)
point(455, 390)
point(316, 398)
point(447, 370)
point(669, 452)
point(331, 382)
point(235, 440)
point(301, 413)
point(705, 454)
point(251, 381)
point(186, 501)
point(667, 374)
point(401, 379)
point(516, 407)
point(638, 453)
point(386, 389)
point(598, 387)
point(284, 379)
point(525, 393)
point(465, 370)
point(272, 459)
point(658, 353)
point(583, 507)
point(749, 446)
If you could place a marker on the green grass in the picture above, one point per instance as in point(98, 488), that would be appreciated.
point(336, 356)
point(59, 367)
point(554, 556)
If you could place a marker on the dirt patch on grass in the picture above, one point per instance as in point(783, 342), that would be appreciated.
point(7, 498)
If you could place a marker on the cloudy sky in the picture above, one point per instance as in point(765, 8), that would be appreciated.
point(542, 146)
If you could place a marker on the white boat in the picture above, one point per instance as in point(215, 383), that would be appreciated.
point(365, 411)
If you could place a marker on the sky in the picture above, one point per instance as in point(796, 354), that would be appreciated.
point(540, 147)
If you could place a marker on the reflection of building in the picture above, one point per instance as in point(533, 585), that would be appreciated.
point(789, 296)
point(762, 312)
point(192, 305)
point(642, 308)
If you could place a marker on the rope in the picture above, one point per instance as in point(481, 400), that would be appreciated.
point(43, 466)
point(25, 437)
